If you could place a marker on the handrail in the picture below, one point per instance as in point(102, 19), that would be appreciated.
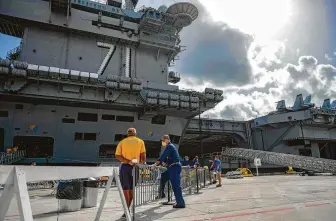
point(12, 157)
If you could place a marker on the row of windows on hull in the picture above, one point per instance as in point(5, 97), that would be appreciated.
point(43, 147)
point(118, 137)
point(91, 117)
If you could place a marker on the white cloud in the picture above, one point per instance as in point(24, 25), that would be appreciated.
point(233, 46)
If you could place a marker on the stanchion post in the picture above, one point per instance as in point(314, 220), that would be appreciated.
point(169, 197)
point(189, 180)
point(169, 192)
point(197, 182)
point(133, 192)
point(204, 174)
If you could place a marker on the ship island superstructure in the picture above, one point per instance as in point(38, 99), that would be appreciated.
point(85, 72)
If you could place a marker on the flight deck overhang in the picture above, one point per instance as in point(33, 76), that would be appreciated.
point(11, 26)
point(38, 13)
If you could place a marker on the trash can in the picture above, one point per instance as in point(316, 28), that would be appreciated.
point(90, 193)
point(70, 194)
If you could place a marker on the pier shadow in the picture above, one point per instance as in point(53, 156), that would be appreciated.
point(150, 214)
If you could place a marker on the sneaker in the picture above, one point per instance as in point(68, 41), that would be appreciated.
point(218, 185)
point(160, 197)
point(123, 216)
point(178, 206)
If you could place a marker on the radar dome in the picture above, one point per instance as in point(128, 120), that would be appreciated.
point(184, 12)
point(162, 8)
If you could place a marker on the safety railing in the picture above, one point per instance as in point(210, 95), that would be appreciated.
point(192, 180)
point(12, 157)
point(148, 181)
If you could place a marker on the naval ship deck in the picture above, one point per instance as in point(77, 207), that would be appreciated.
point(261, 198)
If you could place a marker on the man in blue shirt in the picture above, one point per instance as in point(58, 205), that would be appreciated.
point(185, 162)
point(172, 158)
point(195, 162)
point(218, 169)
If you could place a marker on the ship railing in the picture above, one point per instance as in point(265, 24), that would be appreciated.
point(12, 157)
point(15, 179)
point(14, 53)
point(282, 159)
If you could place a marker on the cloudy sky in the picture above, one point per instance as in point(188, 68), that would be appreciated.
point(258, 52)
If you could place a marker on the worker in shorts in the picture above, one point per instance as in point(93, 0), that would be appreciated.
point(130, 151)
point(174, 169)
point(211, 171)
point(218, 170)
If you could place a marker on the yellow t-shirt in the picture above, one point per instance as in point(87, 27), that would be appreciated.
point(130, 148)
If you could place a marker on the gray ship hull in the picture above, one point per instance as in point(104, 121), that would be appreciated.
point(74, 135)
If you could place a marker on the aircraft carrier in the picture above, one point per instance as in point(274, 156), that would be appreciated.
point(86, 71)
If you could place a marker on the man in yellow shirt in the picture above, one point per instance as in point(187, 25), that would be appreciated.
point(130, 151)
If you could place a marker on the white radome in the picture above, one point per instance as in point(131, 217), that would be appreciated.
point(163, 8)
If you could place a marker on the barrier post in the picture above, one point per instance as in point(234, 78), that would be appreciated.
point(204, 174)
point(133, 192)
point(197, 182)
point(169, 195)
point(189, 180)
point(169, 192)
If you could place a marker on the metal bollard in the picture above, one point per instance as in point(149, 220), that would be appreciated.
point(170, 195)
point(135, 198)
point(197, 182)
point(204, 174)
point(189, 181)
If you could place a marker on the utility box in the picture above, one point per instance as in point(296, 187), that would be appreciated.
point(90, 194)
point(70, 194)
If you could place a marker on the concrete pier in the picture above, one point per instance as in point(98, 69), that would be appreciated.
point(256, 198)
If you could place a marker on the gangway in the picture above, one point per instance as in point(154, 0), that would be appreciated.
point(9, 158)
point(302, 162)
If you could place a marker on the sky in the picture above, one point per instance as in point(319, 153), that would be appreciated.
point(258, 52)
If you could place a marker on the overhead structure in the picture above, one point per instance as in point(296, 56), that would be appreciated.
point(162, 9)
point(281, 159)
point(185, 13)
point(131, 4)
point(9, 158)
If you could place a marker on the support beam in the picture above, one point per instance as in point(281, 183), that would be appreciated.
point(315, 150)
point(20, 185)
point(7, 195)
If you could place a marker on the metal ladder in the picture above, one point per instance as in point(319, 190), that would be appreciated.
point(9, 158)
point(281, 159)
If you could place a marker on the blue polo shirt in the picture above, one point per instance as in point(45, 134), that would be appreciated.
point(217, 166)
point(185, 163)
point(195, 162)
point(170, 155)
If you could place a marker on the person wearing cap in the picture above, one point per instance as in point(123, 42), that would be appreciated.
point(195, 162)
point(171, 156)
point(185, 162)
point(129, 152)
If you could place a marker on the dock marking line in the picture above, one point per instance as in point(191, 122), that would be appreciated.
point(263, 211)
